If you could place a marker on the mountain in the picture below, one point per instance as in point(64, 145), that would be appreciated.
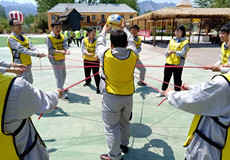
point(150, 5)
point(26, 8)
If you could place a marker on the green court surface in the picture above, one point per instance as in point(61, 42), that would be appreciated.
point(75, 130)
point(34, 40)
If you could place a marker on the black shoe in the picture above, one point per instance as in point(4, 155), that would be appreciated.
point(131, 116)
point(141, 83)
point(87, 84)
point(98, 91)
point(124, 149)
point(106, 157)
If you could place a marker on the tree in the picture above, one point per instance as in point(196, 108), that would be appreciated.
point(131, 3)
point(220, 4)
point(212, 3)
point(108, 1)
point(29, 19)
point(203, 3)
point(2, 12)
point(41, 22)
point(87, 1)
point(45, 5)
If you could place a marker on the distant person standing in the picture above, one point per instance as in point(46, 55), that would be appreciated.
point(22, 49)
point(97, 32)
point(58, 48)
point(134, 30)
point(67, 36)
point(72, 36)
point(78, 37)
point(82, 34)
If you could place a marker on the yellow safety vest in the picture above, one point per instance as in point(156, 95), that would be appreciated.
point(174, 46)
point(66, 34)
point(91, 49)
point(97, 33)
point(8, 149)
point(77, 34)
point(25, 59)
point(138, 43)
point(194, 129)
point(85, 33)
point(225, 54)
point(58, 45)
point(119, 73)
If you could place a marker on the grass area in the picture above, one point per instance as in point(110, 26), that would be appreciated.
point(34, 41)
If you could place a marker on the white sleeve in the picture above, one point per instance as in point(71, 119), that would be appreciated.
point(224, 70)
point(209, 99)
point(25, 100)
point(131, 43)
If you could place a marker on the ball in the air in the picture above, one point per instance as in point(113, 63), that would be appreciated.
point(114, 20)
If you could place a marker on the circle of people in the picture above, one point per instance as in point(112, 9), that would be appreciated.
point(208, 138)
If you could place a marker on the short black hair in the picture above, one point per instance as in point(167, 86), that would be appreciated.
point(135, 26)
point(90, 30)
point(225, 28)
point(118, 38)
point(11, 21)
point(182, 28)
point(57, 23)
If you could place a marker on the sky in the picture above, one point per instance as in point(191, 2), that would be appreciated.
point(157, 1)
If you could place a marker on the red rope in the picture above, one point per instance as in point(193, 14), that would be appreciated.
point(150, 57)
point(153, 88)
point(161, 101)
point(138, 65)
point(62, 67)
point(73, 86)
point(73, 59)
point(159, 80)
point(81, 81)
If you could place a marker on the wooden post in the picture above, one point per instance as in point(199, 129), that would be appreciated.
point(144, 28)
point(200, 30)
point(190, 32)
point(161, 28)
point(173, 27)
point(154, 32)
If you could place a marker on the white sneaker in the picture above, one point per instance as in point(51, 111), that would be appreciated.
point(158, 95)
point(65, 97)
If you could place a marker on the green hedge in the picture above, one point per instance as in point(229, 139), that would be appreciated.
point(34, 41)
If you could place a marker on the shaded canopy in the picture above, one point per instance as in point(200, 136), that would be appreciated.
point(176, 12)
point(179, 13)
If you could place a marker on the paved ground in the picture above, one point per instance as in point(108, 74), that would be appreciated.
point(75, 130)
